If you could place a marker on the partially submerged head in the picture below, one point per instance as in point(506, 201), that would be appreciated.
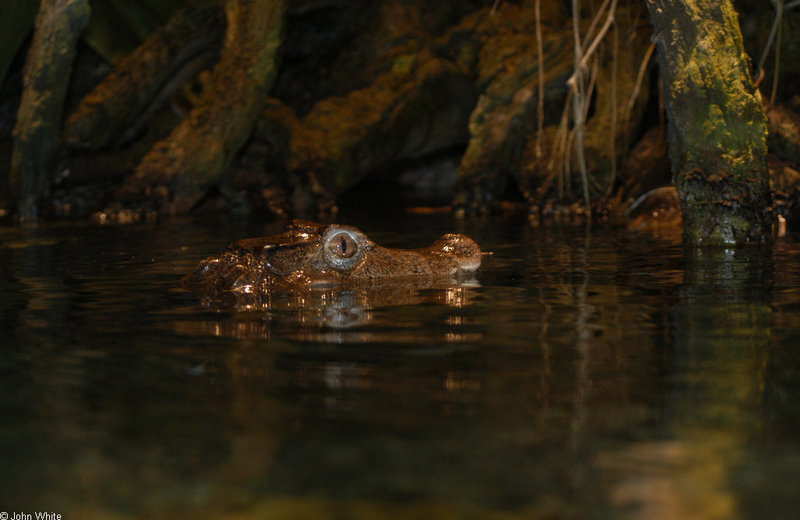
point(308, 254)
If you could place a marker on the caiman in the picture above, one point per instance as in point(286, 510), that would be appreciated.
point(254, 272)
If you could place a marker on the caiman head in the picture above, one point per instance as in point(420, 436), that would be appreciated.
point(310, 255)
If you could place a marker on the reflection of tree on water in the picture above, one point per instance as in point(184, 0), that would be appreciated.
point(590, 375)
point(721, 330)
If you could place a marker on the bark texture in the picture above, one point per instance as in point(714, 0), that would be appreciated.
point(717, 127)
point(178, 171)
point(405, 113)
point(36, 134)
point(154, 70)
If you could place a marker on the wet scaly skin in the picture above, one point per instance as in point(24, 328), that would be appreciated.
point(308, 256)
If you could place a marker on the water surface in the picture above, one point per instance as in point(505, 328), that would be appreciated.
point(589, 374)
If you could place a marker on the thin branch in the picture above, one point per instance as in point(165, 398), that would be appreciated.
point(576, 83)
point(560, 147)
point(777, 67)
point(774, 38)
point(640, 77)
point(593, 47)
point(588, 37)
point(540, 73)
point(773, 32)
point(613, 133)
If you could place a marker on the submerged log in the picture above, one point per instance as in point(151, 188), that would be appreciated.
point(717, 128)
point(36, 135)
point(178, 171)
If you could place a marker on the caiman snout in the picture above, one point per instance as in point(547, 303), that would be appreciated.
point(460, 248)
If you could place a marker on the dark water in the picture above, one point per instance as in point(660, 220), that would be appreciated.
point(588, 375)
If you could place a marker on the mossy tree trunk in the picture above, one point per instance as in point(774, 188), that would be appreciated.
point(36, 134)
point(125, 100)
point(178, 170)
point(717, 127)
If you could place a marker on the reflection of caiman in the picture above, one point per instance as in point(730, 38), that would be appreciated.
point(261, 272)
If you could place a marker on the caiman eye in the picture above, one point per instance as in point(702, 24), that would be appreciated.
point(342, 245)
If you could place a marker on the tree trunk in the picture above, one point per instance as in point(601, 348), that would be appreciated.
point(179, 170)
point(36, 134)
point(122, 102)
point(717, 127)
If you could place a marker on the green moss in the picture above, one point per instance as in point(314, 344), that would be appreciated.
point(717, 126)
point(403, 65)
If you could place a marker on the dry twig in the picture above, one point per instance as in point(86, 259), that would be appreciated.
point(577, 82)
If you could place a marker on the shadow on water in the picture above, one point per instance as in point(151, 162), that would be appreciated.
point(585, 375)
